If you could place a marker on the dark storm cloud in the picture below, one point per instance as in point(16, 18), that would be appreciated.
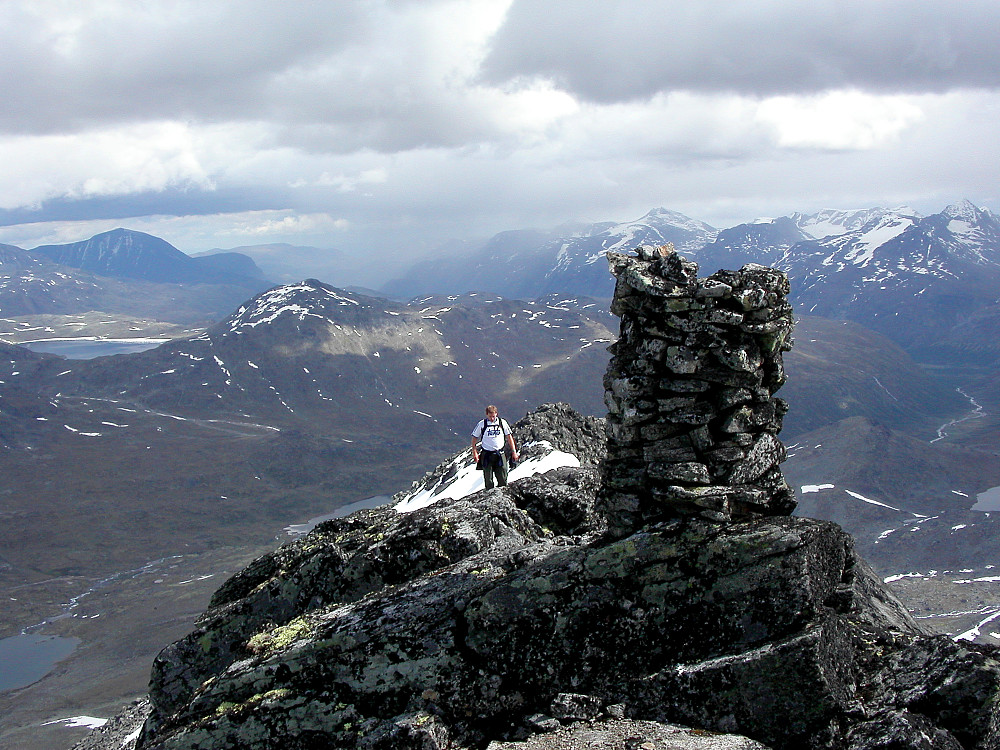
point(323, 76)
point(167, 202)
point(66, 67)
point(621, 50)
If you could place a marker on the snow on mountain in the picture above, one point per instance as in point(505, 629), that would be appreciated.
point(901, 250)
point(312, 351)
point(527, 264)
point(830, 222)
point(552, 437)
point(462, 478)
point(579, 265)
point(300, 300)
point(657, 227)
point(968, 232)
point(764, 241)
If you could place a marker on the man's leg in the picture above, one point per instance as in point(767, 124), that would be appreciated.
point(500, 469)
point(488, 470)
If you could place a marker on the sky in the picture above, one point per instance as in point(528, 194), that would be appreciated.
point(394, 126)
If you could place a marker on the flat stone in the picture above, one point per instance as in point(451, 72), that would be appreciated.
point(575, 707)
point(766, 453)
point(687, 473)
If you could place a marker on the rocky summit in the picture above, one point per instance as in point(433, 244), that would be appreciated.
point(513, 618)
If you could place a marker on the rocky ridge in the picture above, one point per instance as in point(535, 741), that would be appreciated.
point(487, 620)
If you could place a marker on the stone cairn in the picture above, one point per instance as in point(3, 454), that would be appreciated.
point(693, 422)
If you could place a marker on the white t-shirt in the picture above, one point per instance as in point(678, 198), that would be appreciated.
point(493, 435)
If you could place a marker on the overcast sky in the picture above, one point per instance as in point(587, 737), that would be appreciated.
point(400, 124)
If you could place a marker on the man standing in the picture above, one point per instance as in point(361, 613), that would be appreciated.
point(492, 431)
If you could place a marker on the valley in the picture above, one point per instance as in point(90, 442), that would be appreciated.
point(134, 485)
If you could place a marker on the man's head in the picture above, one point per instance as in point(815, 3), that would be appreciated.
point(491, 412)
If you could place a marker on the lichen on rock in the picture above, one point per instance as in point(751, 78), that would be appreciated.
point(579, 606)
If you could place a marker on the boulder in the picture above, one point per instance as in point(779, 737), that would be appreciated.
point(771, 628)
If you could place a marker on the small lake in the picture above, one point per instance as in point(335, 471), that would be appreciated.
point(27, 658)
point(988, 501)
point(91, 348)
point(299, 529)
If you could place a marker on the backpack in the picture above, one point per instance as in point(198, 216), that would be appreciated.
point(511, 463)
point(503, 423)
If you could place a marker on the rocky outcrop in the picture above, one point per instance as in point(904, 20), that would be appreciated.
point(345, 559)
point(568, 611)
point(692, 418)
point(630, 735)
point(492, 628)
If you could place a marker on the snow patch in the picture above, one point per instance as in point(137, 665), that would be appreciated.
point(467, 479)
point(809, 488)
point(869, 500)
point(90, 722)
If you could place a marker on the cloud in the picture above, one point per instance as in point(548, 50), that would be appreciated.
point(131, 159)
point(189, 233)
point(326, 77)
point(69, 66)
point(398, 123)
point(620, 50)
point(839, 119)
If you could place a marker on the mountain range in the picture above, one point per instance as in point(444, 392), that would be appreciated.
point(298, 399)
point(927, 282)
point(122, 273)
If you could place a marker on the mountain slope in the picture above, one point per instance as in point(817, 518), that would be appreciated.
point(914, 279)
point(763, 242)
point(310, 348)
point(125, 253)
point(285, 263)
point(33, 284)
point(830, 222)
point(571, 260)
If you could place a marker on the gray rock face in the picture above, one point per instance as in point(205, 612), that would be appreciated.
point(573, 609)
point(494, 629)
point(692, 422)
point(630, 735)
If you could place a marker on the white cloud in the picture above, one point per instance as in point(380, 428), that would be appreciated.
point(147, 156)
point(263, 224)
point(363, 122)
point(621, 50)
point(188, 233)
point(839, 119)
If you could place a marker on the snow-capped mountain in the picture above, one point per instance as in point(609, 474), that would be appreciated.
point(310, 350)
point(528, 264)
point(913, 278)
point(927, 282)
point(580, 266)
point(829, 222)
point(765, 241)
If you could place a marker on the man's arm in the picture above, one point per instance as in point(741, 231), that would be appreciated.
point(510, 442)
point(475, 453)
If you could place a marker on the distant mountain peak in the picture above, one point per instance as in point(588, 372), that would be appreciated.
point(130, 254)
point(831, 222)
point(664, 215)
point(965, 210)
point(300, 301)
point(123, 253)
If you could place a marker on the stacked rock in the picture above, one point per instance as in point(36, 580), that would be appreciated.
point(692, 418)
